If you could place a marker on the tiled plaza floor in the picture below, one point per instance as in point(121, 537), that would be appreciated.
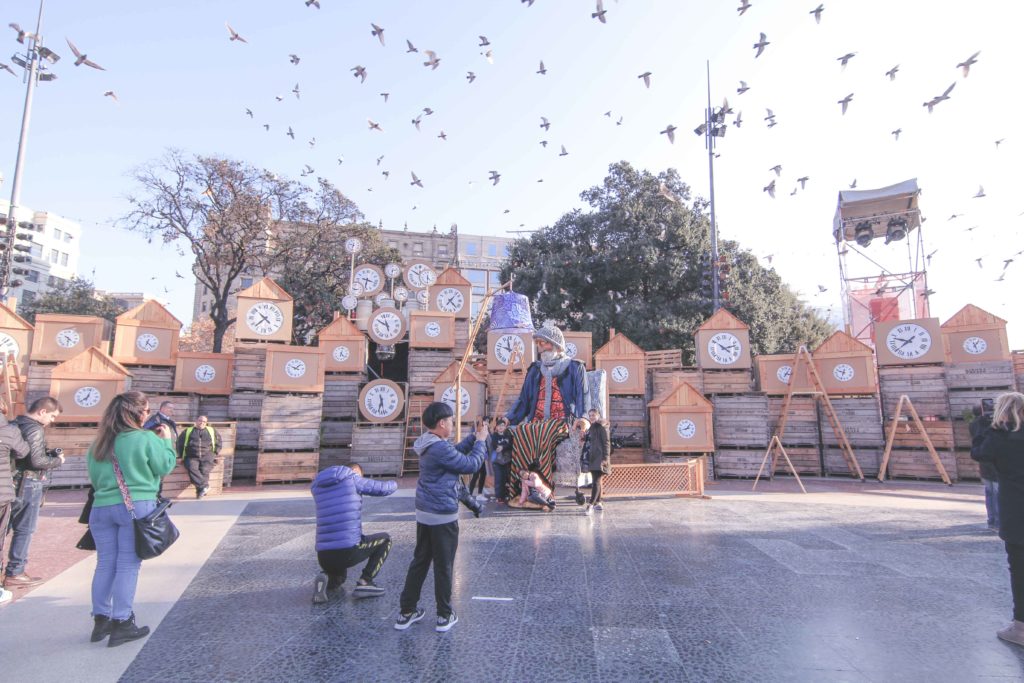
point(742, 589)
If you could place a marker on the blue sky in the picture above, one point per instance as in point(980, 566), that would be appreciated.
point(181, 83)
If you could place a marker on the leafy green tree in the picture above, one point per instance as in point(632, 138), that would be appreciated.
point(639, 262)
point(76, 296)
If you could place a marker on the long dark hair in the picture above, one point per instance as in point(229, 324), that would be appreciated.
point(125, 413)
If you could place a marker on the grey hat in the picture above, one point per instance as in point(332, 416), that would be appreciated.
point(548, 332)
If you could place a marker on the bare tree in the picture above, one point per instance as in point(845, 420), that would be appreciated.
point(235, 218)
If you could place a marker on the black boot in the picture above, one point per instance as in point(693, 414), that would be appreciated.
point(101, 628)
point(125, 631)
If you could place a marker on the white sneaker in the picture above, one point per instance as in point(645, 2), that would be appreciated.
point(5, 596)
point(599, 506)
point(588, 510)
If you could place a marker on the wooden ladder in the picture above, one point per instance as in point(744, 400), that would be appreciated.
point(924, 437)
point(13, 388)
point(415, 406)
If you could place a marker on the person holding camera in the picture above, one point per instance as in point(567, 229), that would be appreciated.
point(989, 477)
point(437, 512)
point(30, 485)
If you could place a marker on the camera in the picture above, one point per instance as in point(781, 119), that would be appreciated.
point(56, 452)
point(467, 499)
point(988, 407)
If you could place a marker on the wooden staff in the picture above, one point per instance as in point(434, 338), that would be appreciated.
point(467, 353)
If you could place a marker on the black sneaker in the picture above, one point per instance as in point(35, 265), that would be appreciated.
point(367, 590)
point(407, 620)
point(101, 628)
point(334, 581)
point(125, 631)
point(445, 623)
point(320, 589)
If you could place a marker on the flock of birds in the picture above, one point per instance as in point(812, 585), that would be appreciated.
point(81, 58)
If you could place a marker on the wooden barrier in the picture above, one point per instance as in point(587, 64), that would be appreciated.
point(287, 467)
point(680, 479)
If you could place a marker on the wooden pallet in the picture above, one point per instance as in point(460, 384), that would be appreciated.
point(245, 405)
point(291, 422)
point(663, 381)
point(424, 367)
point(336, 433)
point(921, 464)
point(669, 359)
point(186, 406)
point(967, 468)
point(962, 401)
point(836, 465)
point(215, 408)
point(248, 432)
point(802, 427)
point(249, 368)
point(152, 378)
point(985, 375)
point(742, 463)
point(728, 382)
point(417, 403)
point(379, 448)
point(334, 455)
point(341, 395)
point(925, 385)
point(286, 467)
point(905, 463)
point(940, 432)
point(741, 421)
point(244, 463)
point(806, 460)
point(38, 383)
point(177, 484)
point(861, 417)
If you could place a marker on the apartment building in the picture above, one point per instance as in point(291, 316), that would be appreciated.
point(55, 245)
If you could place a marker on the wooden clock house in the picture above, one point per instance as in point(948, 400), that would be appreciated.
point(909, 342)
point(974, 335)
point(723, 343)
point(15, 338)
point(510, 347)
point(203, 373)
point(146, 335)
point(580, 345)
point(84, 385)
point(344, 345)
point(626, 366)
point(845, 365)
point(431, 330)
point(473, 391)
point(451, 293)
point(60, 337)
point(681, 422)
point(264, 313)
point(775, 374)
point(298, 369)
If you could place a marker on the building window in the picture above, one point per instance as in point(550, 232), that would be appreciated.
point(442, 250)
point(471, 249)
point(63, 259)
point(67, 236)
point(37, 251)
point(204, 307)
point(246, 283)
point(417, 247)
point(28, 296)
point(33, 275)
point(393, 244)
point(54, 255)
point(56, 234)
point(504, 250)
point(492, 249)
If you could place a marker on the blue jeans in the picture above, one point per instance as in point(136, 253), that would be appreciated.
point(24, 516)
point(992, 502)
point(117, 565)
point(501, 480)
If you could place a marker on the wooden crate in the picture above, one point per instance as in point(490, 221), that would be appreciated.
point(917, 464)
point(286, 467)
point(249, 367)
point(291, 422)
point(806, 460)
point(73, 473)
point(962, 434)
point(669, 359)
point(177, 484)
point(425, 365)
point(462, 330)
point(38, 383)
point(961, 402)
point(993, 374)
point(627, 417)
point(152, 378)
point(861, 418)
point(738, 462)
point(215, 408)
point(341, 395)
point(741, 420)
point(966, 467)
point(663, 381)
point(629, 456)
point(244, 468)
point(494, 384)
point(728, 381)
point(925, 385)
point(802, 423)
point(248, 433)
point(335, 433)
point(74, 439)
point(245, 405)
point(1017, 358)
point(186, 406)
point(867, 458)
point(378, 448)
point(909, 436)
point(334, 455)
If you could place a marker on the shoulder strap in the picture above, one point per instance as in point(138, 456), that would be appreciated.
point(127, 497)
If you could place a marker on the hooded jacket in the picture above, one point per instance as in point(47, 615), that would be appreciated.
point(337, 493)
point(572, 382)
point(1005, 450)
point(441, 463)
point(12, 447)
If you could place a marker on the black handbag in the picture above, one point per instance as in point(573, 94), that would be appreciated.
point(153, 534)
point(86, 542)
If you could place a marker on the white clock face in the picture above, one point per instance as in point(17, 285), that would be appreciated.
point(264, 318)
point(349, 302)
point(571, 349)
point(423, 297)
point(620, 373)
point(450, 300)
point(369, 278)
point(449, 397)
point(87, 397)
point(686, 429)
point(843, 372)
point(68, 338)
point(147, 342)
point(295, 368)
point(908, 341)
point(432, 329)
point(380, 298)
point(392, 270)
point(353, 245)
point(401, 294)
point(784, 373)
point(205, 373)
point(975, 345)
point(381, 401)
point(8, 346)
point(724, 348)
point(387, 325)
point(341, 353)
point(355, 289)
point(420, 276)
point(509, 347)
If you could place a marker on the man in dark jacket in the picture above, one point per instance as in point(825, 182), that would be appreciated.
point(30, 485)
point(989, 477)
point(12, 447)
point(165, 415)
point(338, 494)
point(437, 512)
point(198, 447)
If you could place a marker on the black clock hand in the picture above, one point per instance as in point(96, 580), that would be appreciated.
point(451, 301)
point(381, 397)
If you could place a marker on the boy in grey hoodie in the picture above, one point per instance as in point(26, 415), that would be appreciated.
point(437, 512)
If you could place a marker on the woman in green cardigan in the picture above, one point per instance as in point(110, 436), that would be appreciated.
point(144, 457)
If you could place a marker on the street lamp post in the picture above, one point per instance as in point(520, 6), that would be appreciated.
point(713, 127)
point(33, 63)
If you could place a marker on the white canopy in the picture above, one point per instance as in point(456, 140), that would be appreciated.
point(878, 207)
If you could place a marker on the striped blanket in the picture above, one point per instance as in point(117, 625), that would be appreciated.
point(534, 442)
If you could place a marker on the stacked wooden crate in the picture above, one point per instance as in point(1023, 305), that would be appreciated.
point(340, 412)
point(802, 438)
point(424, 367)
point(156, 379)
point(38, 384)
point(662, 381)
point(626, 366)
point(75, 440)
point(717, 382)
point(925, 386)
point(215, 408)
point(1018, 369)
point(289, 438)
point(245, 406)
point(177, 484)
point(741, 433)
point(861, 418)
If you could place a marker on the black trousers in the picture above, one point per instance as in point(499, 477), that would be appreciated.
point(199, 471)
point(1015, 555)
point(434, 544)
point(598, 488)
point(479, 476)
point(373, 548)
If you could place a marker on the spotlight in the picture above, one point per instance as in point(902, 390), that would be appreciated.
point(896, 229)
point(701, 129)
point(863, 233)
point(385, 351)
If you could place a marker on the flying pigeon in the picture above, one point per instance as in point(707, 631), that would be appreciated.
point(415, 181)
point(266, 126)
point(965, 65)
point(544, 123)
point(670, 131)
point(433, 60)
point(385, 95)
point(998, 142)
point(978, 261)
point(853, 185)
point(891, 73)
point(846, 102)
point(777, 168)
point(793, 193)
point(822, 290)
point(563, 153)
point(489, 56)
point(378, 32)
point(375, 126)
point(8, 69)
point(314, 3)
point(312, 143)
point(294, 59)
point(845, 59)
point(817, 13)
point(380, 159)
point(234, 33)
point(744, 6)
point(470, 76)
point(22, 35)
point(248, 112)
point(416, 122)
point(290, 133)
point(743, 88)
point(619, 122)
point(601, 11)
point(542, 71)
point(770, 189)
point(896, 133)
point(359, 72)
point(981, 192)
point(442, 135)
point(543, 143)
point(81, 58)
point(803, 182)
point(386, 174)
point(647, 78)
point(494, 177)
point(939, 98)
point(770, 116)
point(739, 120)
point(761, 44)
point(111, 95)
point(484, 42)
point(410, 47)
point(428, 111)
point(295, 91)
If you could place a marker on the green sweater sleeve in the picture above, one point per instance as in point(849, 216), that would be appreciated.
point(144, 458)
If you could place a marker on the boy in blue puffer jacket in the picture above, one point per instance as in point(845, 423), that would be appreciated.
point(437, 512)
point(340, 543)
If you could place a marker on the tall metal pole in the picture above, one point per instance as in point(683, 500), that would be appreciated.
point(33, 62)
point(716, 299)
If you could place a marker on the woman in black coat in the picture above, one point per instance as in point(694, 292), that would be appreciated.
point(600, 457)
point(1003, 447)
